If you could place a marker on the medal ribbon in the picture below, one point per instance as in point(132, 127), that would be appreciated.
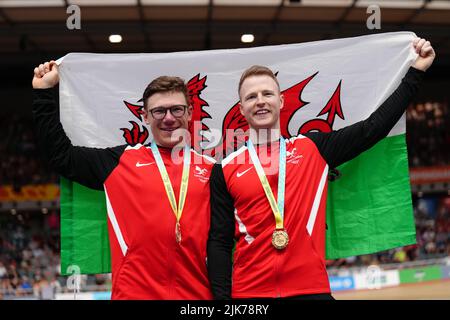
point(177, 209)
point(277, 207)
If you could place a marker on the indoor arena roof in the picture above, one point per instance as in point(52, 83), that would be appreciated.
point(39, 26)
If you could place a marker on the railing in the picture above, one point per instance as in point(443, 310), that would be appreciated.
point(345, 270)
point(46, 293)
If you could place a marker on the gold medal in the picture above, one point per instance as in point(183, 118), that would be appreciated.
point(280, 239)
point(178, 233)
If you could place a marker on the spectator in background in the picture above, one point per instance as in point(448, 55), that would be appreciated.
point(52, 222)
point(3, 271)
point(25, 287)
point(441, 239)
point(411, 252)
point(427, 130)
point(400, 255)
point(19, 164)
point(45, 290)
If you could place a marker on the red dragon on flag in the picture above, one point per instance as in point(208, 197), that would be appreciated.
point(235, 121)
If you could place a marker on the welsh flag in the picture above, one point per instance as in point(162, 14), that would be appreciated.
point(327, 85)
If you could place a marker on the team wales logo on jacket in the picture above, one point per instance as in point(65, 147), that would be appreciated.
point(235, 122)
point(293, 157)
point(201, 173)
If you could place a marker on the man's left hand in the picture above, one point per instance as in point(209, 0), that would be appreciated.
point(426, 54)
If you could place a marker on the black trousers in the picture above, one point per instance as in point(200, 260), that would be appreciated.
point(317, 296)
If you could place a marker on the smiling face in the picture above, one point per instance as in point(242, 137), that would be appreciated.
point(261, 102)
point(168, 131)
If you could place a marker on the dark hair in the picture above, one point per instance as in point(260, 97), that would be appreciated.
point(257, 71)
point(165, 84)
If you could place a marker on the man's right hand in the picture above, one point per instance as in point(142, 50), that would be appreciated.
point(46, 75)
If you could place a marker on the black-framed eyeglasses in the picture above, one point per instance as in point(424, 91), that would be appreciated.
point(177, 111)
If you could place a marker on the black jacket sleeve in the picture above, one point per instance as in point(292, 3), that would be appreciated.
point(87, 166)
point(339, 146)
point(221, 235)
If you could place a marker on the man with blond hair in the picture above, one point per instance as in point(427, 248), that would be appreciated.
point(280, 242)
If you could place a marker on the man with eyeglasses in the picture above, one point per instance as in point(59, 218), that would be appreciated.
point(157, 196)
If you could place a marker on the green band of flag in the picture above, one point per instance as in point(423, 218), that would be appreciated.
point(369, 208)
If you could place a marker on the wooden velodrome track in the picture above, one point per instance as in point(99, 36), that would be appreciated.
point(432, 290)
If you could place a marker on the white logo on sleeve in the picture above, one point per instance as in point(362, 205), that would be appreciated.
point(138, 164)
point(240, 174)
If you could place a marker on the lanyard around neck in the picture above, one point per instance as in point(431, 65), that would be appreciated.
point(177, 209)
point(277, 207)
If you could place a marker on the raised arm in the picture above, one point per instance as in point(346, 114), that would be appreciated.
point(221, 236)
point(87, 166)
point(345, 144)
